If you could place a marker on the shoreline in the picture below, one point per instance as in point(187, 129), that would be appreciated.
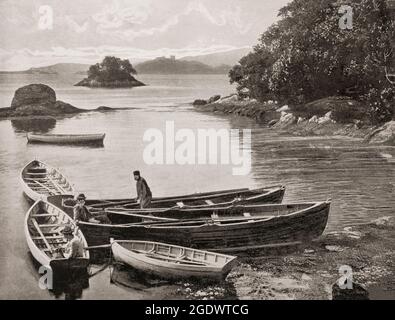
point(309, 272)
point(302, 121)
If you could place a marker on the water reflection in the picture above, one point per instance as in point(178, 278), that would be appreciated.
point(38, 125)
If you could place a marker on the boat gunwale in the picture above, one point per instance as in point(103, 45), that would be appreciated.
point(42, 256)
point(142, 257)
point(49, 168)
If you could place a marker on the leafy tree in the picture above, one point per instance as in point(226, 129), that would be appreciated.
point(111, 69)
point(306, 56)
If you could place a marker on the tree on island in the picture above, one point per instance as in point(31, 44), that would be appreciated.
point(111, 72)
point(307, 56)
point(111, 69)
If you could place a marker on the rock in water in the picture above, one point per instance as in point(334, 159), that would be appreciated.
point(214, 99)
point(357, 292)
point(199, 102)
point(34, 95)
point(385, 134)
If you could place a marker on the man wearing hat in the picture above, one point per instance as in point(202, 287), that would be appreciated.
point(83, 214)
point(144, 195)
point(74, 247)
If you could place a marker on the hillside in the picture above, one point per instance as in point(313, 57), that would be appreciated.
point(216, 59)
point(173, 66)
point(60, 68)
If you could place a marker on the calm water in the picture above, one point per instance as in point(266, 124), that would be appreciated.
point(358, 178)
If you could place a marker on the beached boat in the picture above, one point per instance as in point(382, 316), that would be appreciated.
point(250, 227)
point(273, 194)
point(40, 180)
point(43, 225)
point(66, 138)
point(171, 261)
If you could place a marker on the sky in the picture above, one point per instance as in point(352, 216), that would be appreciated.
point(43, 32)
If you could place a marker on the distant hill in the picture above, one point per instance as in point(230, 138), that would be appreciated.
point(216, 59)
point(172, 66)
point(60, 68)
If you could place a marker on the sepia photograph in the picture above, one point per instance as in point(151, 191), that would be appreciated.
point(212, 152)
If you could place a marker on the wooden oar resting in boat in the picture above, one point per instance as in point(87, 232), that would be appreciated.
point(227, 230)
point(171, 261)
point(96, 139)
point(273, 194)
point(40, 180)
point(43, 225)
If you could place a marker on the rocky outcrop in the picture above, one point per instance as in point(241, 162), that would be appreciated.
point(38, 100)
point(199, 102)
point(383, 135)
point(34, 95)
point(91, 83)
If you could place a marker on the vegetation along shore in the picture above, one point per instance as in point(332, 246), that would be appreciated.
point(332, 82)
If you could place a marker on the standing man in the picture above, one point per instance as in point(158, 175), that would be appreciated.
point(144, 195)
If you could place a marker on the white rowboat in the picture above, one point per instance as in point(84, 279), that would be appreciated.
point(40, 180)
point(172, 262)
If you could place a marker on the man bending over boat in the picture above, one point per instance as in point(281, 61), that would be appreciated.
point(83, 214)
point(144, 195)
point(74, 247)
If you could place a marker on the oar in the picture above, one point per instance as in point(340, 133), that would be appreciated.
point(103, 246)
point(141, 216)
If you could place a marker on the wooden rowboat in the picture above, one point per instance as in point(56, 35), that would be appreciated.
point(251, 227)
point(43, 225)
point(172, 262)
point(273, 194)
point(40, 180)
point(66, 138)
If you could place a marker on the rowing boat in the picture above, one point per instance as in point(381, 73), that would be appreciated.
point(43, 225)
point(40, 180)
point(66, 138)
point(172, 262)
point(273, 194)
point(252, 227)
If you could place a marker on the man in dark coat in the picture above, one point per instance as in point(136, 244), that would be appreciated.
point(144, 195)
point(83, 214)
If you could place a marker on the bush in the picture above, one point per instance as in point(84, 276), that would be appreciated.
point(306, 56)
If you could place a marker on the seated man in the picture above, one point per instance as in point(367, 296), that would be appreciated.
point(74, 247)
point(82, 213)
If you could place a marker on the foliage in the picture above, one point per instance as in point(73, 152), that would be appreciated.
point(307, 56)
point(111, 69)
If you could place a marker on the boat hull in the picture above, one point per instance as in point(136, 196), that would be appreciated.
point(171, 270)
point(66, 139)
point(198, 200)
point(284, 230)
point(38, 186)
point(36, 246)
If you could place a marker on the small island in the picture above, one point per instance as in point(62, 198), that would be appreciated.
point(112, 72)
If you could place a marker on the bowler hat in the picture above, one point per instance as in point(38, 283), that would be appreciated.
point(81, 196)
point(67, 229)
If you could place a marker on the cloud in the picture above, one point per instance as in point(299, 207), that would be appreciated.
point(114, 16)
point(113, 20)
point(75, 26)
